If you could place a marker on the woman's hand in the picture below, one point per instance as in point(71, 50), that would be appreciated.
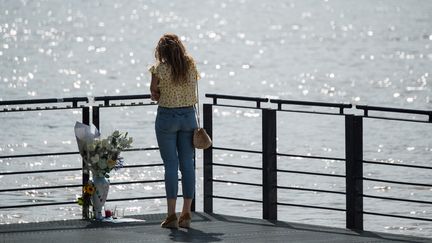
point(155, 96)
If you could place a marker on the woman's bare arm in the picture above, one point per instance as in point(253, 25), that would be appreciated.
point(154, 89)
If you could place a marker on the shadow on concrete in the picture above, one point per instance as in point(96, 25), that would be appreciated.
point(193, 235)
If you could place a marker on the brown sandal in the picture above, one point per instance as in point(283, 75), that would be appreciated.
point(185, 220)
point(170, 222)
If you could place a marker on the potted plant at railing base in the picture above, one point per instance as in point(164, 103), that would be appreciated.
point(100, 157)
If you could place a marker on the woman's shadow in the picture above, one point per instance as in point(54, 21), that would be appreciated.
point(193, 235)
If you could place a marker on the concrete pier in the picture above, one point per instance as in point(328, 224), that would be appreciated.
point(205, 228)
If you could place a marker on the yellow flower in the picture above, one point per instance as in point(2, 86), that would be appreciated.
point(111, 163)
point(89, 189)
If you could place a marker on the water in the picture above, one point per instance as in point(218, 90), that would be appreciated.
point(359, 52)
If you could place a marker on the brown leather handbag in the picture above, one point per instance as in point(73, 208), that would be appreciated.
point(201, 140)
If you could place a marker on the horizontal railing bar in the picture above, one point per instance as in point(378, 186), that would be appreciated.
point(67, 186)
point(38, 205)
point(136, 182)
point(135, 198)
point(39, 109)
point(238, 199)
point(397, 182)
point(309, 189)
point(107, 99)
point(397, 199)
point(237, 150)
point(391, 109)
point(241, 98)
point(317, 112)
point(139, 166)
point(396, 119)
point(124, 105)
point(310, 157)
point(65, 153)
point(238, 166)
point(36, 155)
point(392, 164)
point(121, 97)
point(310, 173)
point(237, 182)
point(311, 112)
point(73, 100)
point(235, 97)
point(75, 202)
point(39, 171)
point(238, 106)
point(38, 188)
point(140, 149)
point(310, 103)
point(43, 101)
point(310, 206)
point(396, 216)
point(71, 169)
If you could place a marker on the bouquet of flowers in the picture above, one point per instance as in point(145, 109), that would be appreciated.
point(101, 155)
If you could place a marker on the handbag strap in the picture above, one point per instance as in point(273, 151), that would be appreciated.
point(197, 106)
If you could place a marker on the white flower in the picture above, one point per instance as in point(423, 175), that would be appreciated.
point(95, 158)
point(102, 164)
point(101, 155)
point(91, 147)
point(109, 147)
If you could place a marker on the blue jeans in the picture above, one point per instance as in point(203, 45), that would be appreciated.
point(174, 132)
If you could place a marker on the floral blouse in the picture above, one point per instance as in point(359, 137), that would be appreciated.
point(174, 95)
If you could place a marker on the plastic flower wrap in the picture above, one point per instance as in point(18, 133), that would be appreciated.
point(101, 155)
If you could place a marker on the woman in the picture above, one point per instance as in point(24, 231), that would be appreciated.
point(173, 85)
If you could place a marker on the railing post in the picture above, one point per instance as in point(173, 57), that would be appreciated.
point(269, 161)
point(208, 159)
point(85, 174)
point(95, 121)
point(95, 116)
point(193, 205)
point(354, 171)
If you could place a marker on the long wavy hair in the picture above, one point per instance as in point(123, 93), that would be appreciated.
point(172, 51)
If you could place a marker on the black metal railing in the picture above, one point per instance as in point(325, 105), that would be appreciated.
point(17, 106)
point(366, 115)
point(82, 104)
point(354, 162)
